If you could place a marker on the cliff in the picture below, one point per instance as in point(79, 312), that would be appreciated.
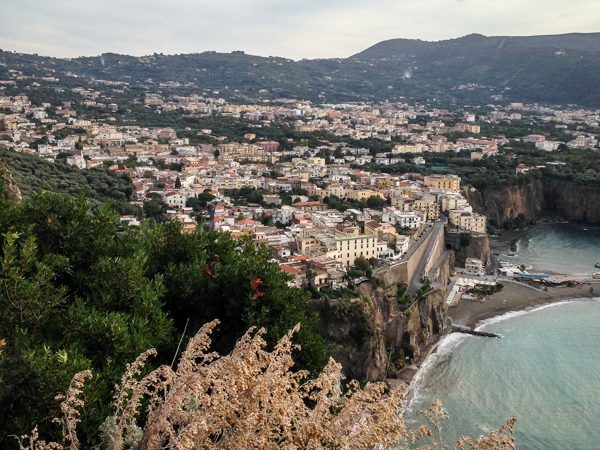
point(573, 201)
point(523, 204)
point(508, 206)
point(359, 344)
point(374, 338)
point(467, 245)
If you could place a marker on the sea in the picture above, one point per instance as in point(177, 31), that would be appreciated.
point(544, 370)
point(563, 248)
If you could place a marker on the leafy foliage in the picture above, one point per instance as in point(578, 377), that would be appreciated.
point(77, 292)
point(252, 398)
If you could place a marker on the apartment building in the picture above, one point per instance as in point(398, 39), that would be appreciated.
point(468, 221)
point(428, 205)
point(447, 182)
point(350, 247)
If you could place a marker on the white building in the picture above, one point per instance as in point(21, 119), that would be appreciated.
point(402, 244)
point(175, 199)
point(474, 266)
point(77, 161)
point(383, 251)
point(285, 215)
point(548, 146)
point(404, 219)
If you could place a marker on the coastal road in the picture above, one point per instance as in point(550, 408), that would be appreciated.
point(415, 282)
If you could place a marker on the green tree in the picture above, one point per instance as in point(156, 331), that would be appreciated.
point(361, 263)
point(375, 202)
point(74, 295)
point(208, 274)
point(200, 202)
point(254, 197)
point(267, 221)
point(79, 292)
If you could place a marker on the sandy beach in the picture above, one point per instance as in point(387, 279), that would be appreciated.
point(514, 297)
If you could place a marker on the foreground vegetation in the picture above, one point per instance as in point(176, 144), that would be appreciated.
point(252, 399)
point(78, 292)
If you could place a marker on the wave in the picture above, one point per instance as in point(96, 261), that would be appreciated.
point(446, 346)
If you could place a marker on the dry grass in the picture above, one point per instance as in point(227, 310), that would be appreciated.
point(251, 399)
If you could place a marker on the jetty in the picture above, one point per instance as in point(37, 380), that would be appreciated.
point(467, 330)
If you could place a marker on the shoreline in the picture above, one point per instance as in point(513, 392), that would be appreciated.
point(517, 297)
point(514, 297)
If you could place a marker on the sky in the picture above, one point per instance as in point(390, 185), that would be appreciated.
point(289, 28)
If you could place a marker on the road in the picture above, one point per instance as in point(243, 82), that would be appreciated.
point(414, 246)
point(415, 282)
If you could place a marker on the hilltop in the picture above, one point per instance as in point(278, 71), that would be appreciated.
point(559, 69)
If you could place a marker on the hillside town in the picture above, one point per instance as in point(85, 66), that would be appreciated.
point(272, 225)
point(319, 208)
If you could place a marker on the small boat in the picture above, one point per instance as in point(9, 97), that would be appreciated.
point(597, 265)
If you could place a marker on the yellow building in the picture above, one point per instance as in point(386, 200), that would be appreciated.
point(449, 182)
point(429, 206)
point(350, 247)
point(335, 189)
point(363, 194)
point(238, 152)
point(316, 160)
point(468, 221)
point(406, 148)
point(383, 182)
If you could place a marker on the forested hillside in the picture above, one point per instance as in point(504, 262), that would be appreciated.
point(561, 69)
point(34, 174)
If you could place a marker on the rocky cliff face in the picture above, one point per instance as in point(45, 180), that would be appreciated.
point(467, 245)
point(509, 205)
point(359, 344)
point(573, 201)
point(520, 205)
point(373, 337)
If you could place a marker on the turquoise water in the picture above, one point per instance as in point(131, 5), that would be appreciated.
point(554, 247)
point(545, 370)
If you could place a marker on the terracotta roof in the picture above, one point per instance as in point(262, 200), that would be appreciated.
point(373, 224)
point(299, 258)
point(301, 204)
point(245, 222)
point(289, 269)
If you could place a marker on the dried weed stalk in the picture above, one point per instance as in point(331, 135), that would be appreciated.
point(252, 399)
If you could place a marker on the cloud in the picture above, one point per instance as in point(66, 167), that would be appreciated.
point(291, 28)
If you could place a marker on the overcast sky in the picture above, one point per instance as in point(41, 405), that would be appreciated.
point(290, 28)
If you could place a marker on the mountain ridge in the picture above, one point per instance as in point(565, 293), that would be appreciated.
point(570, 41)
point(551, 69)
